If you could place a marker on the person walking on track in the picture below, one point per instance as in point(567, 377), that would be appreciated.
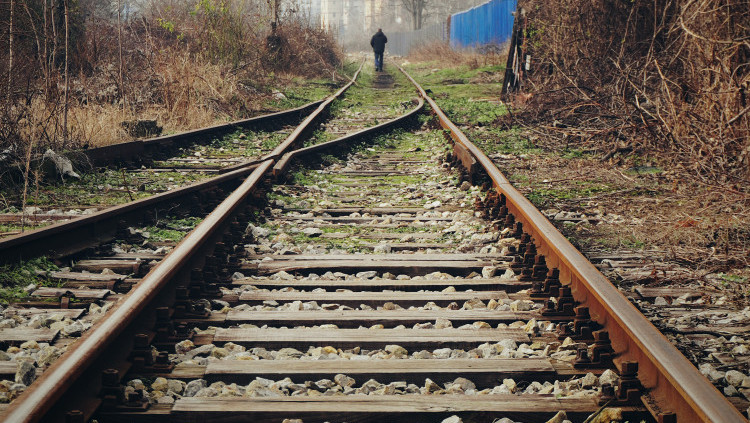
point(378, 46)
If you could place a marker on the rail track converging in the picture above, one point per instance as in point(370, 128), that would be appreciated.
point(361, 273)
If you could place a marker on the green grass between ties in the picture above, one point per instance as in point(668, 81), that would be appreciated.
point(14, 278)
point(171, 229)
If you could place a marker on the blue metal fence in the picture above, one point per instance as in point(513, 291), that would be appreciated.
point(489, 23)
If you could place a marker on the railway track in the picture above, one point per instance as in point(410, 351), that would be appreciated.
point(384, 286)
point(211, 170)
point(120, 173)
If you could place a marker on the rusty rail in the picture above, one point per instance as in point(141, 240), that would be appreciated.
point(137, 149)
point(295, 135)
point(674, 384)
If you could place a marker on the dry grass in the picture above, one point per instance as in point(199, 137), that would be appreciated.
point(184, 69)
point(188, 95)
point(438, 51)
point(698, 225)
point(443, 55)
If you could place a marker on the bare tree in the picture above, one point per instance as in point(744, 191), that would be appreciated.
point(418, 11)
point(67, 80)
point(37, 39)
point(55, 35)
point(10, 51)
point(119, 46)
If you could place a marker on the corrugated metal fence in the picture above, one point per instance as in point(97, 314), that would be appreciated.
point(490, 23)
point(401, 43)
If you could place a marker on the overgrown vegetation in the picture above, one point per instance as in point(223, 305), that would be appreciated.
point(172, 229)
point(442, 55)
point(645, 77)
point(15, 277)
point(186, 63)
point(465, 85)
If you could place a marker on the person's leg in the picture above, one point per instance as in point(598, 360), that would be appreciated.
point(378, 61)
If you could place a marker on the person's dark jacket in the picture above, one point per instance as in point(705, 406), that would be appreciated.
point(378, 42)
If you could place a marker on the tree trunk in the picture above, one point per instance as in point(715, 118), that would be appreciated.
point(47, 68)
point(10, 52)
point(421, 7)
point(67, 80)
point(416, 9)
point(39, 50)
point(119, 45)
point(55, 40)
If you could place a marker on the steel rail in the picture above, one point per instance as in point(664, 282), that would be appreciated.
point(294, 136)
point(72, 236)
point(674, 383)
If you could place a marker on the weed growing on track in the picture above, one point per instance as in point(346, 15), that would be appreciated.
point(493, 140)
point(468, 95)
point(319, 136)
point(171, 228)
point(361, 97)
point(106, 187)
point(15, 277)
point(302, 92)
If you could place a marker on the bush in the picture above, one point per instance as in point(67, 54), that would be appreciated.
point(658, 75)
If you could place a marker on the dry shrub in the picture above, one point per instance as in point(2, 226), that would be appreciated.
point(437, 52)
point(186, 63)
point(446, 56)
point(662, 76)
point(309, 52)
